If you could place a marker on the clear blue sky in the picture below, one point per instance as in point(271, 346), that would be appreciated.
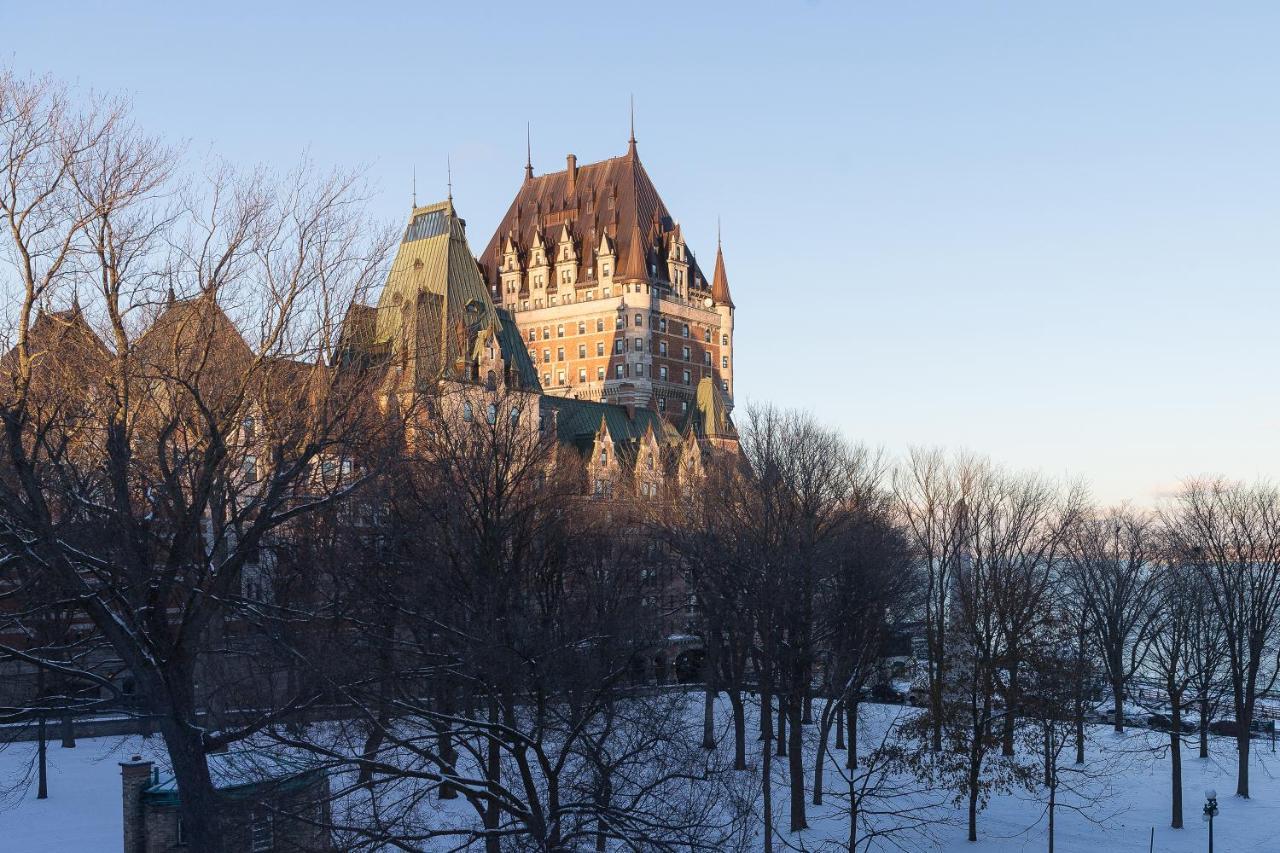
point(1049, 232)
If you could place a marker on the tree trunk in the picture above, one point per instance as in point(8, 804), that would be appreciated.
point(851, 757)
point(68, 731)
point(839, 729)
point(42, 755)
point(1204, 726)
point(783, 702)
point(198, 806)
point(1175, 762)
point(766, 781)
point(1053, 790)
point(493, 774)
point(739, 730)
point(766, 715)
point(1010, 717)
point(853, 815)
point(709, 718)
point(1080, 735)
point(1242, 758)
point(795, 705)
point(1117, 697)
point(808, 703)
point(824, 732)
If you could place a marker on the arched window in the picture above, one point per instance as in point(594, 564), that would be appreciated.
point(491, 415)
point(467, 414)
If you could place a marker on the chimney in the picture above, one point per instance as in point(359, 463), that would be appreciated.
point(572, 161)
point(135, 776)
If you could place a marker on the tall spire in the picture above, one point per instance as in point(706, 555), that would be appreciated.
point(631, 143)
point(528, 152)
point(448, 165)
point(720, 280)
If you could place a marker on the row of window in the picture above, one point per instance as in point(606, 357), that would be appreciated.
point(491, 413)
point(622, 371)
point(620, 322)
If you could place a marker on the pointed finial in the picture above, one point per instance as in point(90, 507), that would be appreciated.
point(415, 184)
point(448, 165)
point(170, 297)
point(528, 152)
point(717, 233)
point(631, 143)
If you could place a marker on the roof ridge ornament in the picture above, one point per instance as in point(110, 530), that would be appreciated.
point(528, 151)
point(631, 142)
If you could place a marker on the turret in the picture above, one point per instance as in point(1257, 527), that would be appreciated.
point(723, 303)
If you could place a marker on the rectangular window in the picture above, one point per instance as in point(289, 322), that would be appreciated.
point(639, 345)
point(560, 377)
point(724, 340)
point(559, 353)
point(546, 333)
point(533, 334)
point(619, 322)
point(617, 346)
point(684, 330)
point(662, 404)
point(582, 328)
point(686, 377)
point(707, 335)
point(546, 356)
point(582, 351)
point(639, 370)
point(662, 372)
point(662, 347)
point(600, 373)
point(662, 324)
point(559, 331)
point(706, 356)
point(684, 353)
point(724, 361)
point(617, 371)
point(599, 325)
point(582, 374)
point(639, 321)
point(599, 347)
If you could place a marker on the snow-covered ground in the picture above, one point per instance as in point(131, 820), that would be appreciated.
point(1131, 786)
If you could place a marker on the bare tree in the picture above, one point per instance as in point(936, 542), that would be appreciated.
point(132, 476)
point(1111, 558)
point(931, 493)
point(1231, 532)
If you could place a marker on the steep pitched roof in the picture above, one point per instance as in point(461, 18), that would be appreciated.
point(720, 281)
point(614, 197)
point(514, 354)
point(709, 415)
point(435, 301)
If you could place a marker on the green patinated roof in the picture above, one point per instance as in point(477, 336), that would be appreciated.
point(514, 353)
point(241, 773)
point(577, 422)
point(709, 415)
point(435, 295)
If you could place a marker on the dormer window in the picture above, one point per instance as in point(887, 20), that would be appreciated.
point(604, 270)
point(604, 456)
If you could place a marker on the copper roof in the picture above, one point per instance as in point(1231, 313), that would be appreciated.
point(720, 281)
point(613, 198)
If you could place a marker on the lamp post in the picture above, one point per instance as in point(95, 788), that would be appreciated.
point(1210, 810)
